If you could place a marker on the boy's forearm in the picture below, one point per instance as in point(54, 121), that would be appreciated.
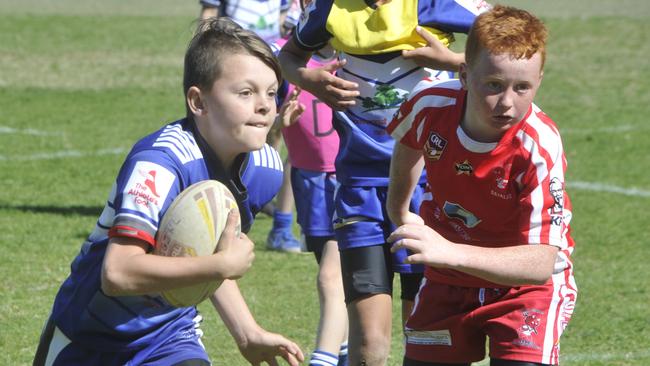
point(524, 264)
point(293, 67)
point(233, 310)
point(129, 270)
point(405, 171)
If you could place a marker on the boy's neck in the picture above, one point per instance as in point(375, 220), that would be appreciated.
point(475, 132)
point(224, 158)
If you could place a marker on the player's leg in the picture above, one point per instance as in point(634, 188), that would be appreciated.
point(333, 323)
point(314, 192)
point(281, 237)
point(368, 287)
point(367, 272)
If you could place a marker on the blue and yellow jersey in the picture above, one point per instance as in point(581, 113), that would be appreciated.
point(371, 40)
point(157, 169)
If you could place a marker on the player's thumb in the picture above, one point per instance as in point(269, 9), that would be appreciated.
point(231, 230)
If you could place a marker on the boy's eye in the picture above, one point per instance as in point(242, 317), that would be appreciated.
point(272, 93)
point(520, 88)
point(246, 93)
point(493, 85)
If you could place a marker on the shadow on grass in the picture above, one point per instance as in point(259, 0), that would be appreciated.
point(74, 210)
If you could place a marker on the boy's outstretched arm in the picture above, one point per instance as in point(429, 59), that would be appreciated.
point(337, 93)
point(405, 172)
point(255, 344)
point(525, 264)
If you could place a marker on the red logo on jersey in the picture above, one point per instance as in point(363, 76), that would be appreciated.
point(150, 181)
point(145, 193)
point(434, 146)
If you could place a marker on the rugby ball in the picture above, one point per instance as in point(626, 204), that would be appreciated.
point(192, 227)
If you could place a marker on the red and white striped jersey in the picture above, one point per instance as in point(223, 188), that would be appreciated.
point(486, 194)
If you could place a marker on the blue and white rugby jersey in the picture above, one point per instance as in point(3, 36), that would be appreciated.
point(371, 40)
point(259, 16)
point(156, 170)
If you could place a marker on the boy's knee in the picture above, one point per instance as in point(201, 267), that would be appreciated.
point(330, 281)
point(375, 343)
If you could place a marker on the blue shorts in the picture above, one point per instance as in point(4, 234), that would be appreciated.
point(361, 221)
point(313, 194)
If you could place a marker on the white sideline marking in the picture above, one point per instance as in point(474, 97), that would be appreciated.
point(65, 154)
point(602, 187)
point(27, 131)
point(589, 186)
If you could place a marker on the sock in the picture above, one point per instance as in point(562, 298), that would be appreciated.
point(282, 221)
point(322, 358)
point(343, 354)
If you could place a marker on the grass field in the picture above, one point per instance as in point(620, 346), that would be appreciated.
point(81, 81)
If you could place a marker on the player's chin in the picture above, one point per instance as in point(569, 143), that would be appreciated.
point(254, 140)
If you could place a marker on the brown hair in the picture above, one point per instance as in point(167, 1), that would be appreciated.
point(214, 39)
point(505, 29)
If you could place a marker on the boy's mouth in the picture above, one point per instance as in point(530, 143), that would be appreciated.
point(258, 124)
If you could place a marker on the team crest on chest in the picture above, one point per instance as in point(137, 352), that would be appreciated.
point(434, 146)
point(464, 168)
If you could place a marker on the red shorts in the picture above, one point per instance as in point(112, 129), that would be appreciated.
point(449, 324)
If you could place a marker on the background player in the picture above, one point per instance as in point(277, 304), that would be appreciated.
point(107, 312)
point(496, 244)
point(312, 144)
point(378, 66)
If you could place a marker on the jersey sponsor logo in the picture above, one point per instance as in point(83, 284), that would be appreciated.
point(464, 168)
point(428, 337)
point(556, 189)
point(456, 211)
point(148, 186)
point(435, 146)
point(386, 97)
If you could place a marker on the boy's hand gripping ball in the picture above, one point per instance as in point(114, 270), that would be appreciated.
point(192, 227)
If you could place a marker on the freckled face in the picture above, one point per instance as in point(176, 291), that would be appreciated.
point(500, 90)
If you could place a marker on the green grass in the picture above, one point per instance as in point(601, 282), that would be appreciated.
point(85, 80)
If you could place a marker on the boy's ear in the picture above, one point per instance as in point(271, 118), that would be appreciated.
point(462, 75)
point(195, 101)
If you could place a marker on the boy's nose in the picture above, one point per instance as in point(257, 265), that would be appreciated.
point(263, 105)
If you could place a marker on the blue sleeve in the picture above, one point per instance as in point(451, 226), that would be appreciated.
point(145, 187)
point(311, 32)
point(450, 15)
point(262, 177)
point(285, 5)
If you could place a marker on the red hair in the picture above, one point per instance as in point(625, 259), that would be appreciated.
point(506, 30)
